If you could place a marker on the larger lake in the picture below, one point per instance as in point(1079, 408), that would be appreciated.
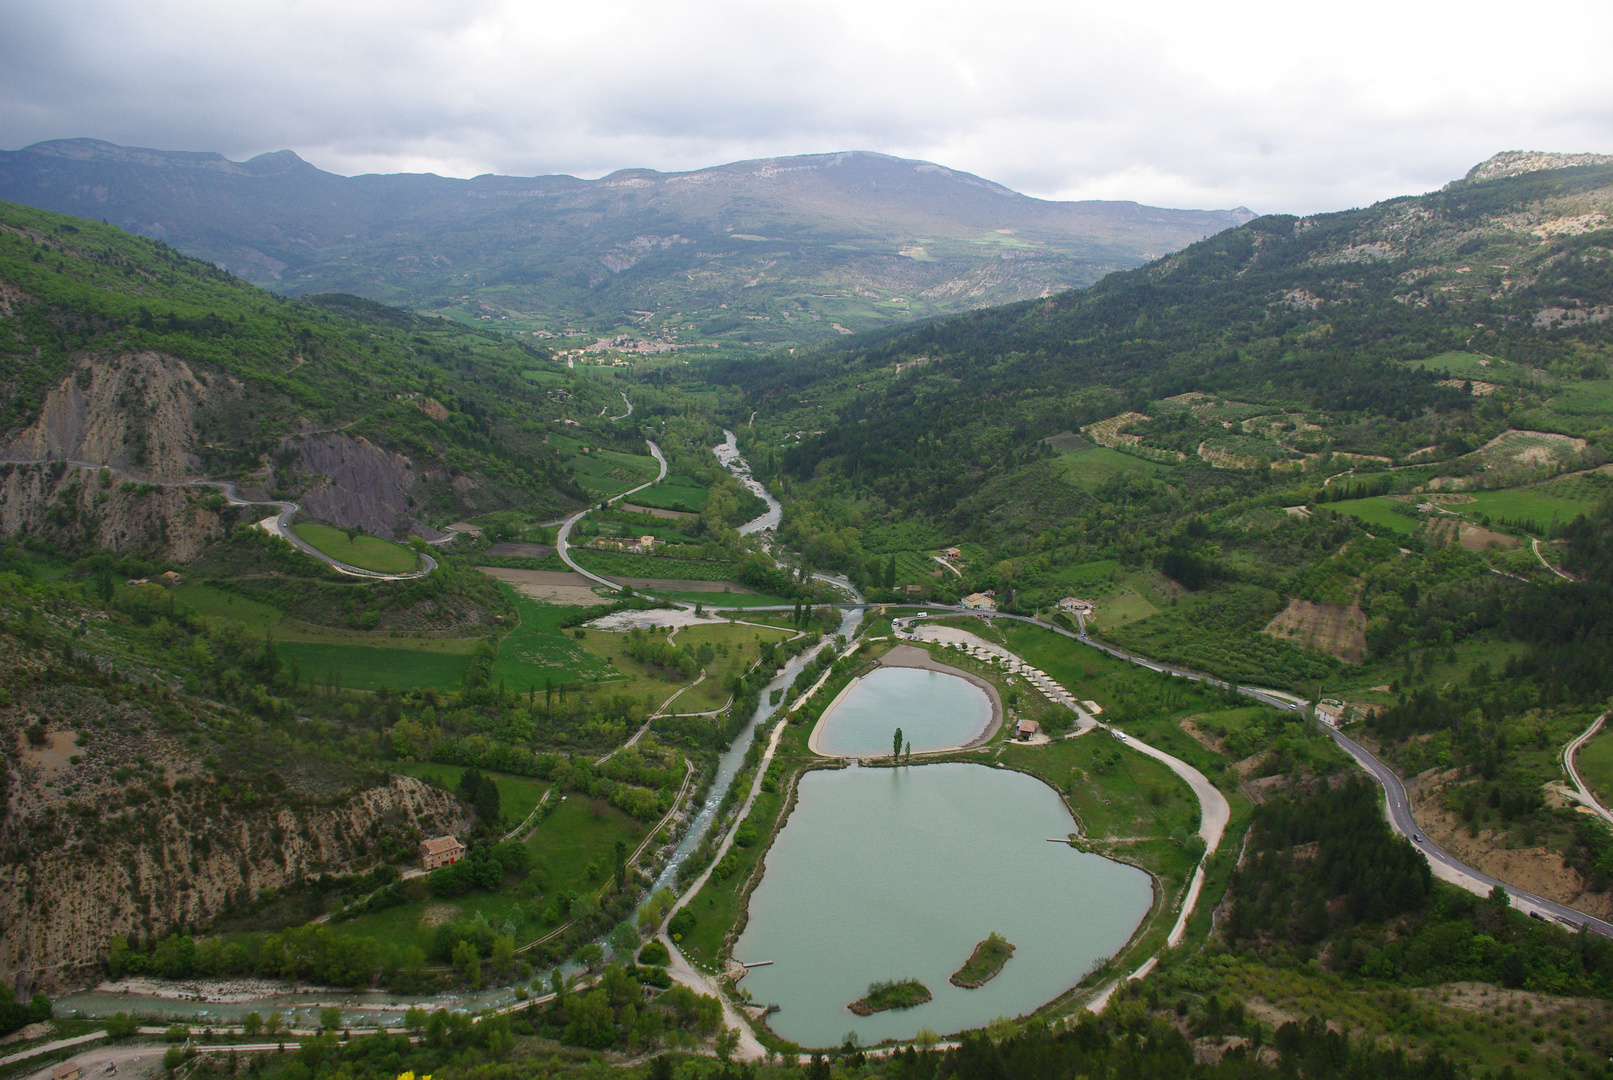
point(935, 711)
point(897, 873)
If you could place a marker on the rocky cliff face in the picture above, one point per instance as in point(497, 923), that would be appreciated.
point(354, 482)
point(139, 414)
point(135, 412)
point(124, 826)
point(77, 507)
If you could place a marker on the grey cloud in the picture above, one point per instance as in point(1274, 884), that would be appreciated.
point(1252, 102)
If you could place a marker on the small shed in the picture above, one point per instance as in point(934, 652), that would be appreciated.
point(1027, 730)
point(440, 851)
point(66, 1070)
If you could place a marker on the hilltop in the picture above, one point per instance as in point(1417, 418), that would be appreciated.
point(776, 250)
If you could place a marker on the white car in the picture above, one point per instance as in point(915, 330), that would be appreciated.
point(1121, 735)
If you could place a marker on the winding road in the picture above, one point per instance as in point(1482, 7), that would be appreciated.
point(277, 525)
point(1586, 797)
point(1445, 865)
point(562, 544)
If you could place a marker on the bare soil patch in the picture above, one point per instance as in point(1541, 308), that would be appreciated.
point(656, 511)
point(531, 551)
point(550, 586)
point(1475, 538)
point(54, 756)
point(1333, 629)
point(1539, 870)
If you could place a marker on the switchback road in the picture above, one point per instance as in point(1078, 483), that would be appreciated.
point(277, 525)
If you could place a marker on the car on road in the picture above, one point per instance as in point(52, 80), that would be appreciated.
point(1417, 838)
point(1121, 735)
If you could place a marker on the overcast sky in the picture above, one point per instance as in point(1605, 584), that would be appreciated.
point(1285, 106)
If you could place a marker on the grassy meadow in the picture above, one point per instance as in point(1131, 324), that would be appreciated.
point(368, 667)
point(674, 493)
point(364, 552)
point(517, 795)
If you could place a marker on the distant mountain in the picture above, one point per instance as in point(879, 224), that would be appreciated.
point(774, 250)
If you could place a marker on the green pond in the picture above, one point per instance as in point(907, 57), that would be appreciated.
point(935, 711)
point(885, 874)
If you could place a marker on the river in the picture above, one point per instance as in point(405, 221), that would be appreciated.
point(727, 452)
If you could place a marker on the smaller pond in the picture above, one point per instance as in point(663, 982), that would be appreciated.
point(935, 712)
point(884, 874)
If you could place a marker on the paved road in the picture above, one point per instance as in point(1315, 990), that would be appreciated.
point(562, 545)
point(629, 411)
point(278, 525)
point(1586, 798)
point(1445, 865)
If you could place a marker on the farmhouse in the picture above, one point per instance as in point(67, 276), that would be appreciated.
point(981, 601)
point(1071, 605)
point(951, 553)
point(440, 851)
point(1330, 711)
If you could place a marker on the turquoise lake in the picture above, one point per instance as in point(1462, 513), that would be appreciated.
point(884, 874)
point(935, 712)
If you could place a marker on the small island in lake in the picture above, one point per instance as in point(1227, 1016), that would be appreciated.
point(984, 963)
point(891, 995)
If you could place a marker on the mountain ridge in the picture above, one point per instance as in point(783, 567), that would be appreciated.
point(781, 250)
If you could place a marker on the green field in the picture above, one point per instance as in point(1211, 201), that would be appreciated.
point(1543, 504)
point(580, 834)
point(364, 552)
point(673, 493)
point(642, 683)
point(1090, 468)
point(369, 667)
point(214, 603)
point(1377, 511)
point(618, 564)
point(217, 603)
point(608, 472)
point(539, 649)
point(1590, 403)
point(1466, 365)
point(517, 795)
point(1595, 763)
point(1123, 606)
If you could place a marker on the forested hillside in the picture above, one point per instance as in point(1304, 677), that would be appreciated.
point(119, 351)
point(1357, 455)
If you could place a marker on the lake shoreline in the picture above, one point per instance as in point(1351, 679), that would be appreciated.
point(1078, 979)
point(909, 657)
